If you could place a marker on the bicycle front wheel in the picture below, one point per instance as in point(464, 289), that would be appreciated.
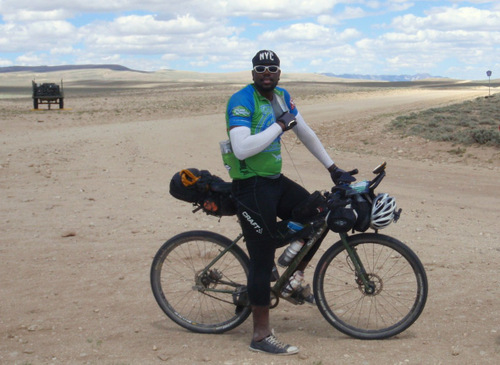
point(199, 297)
point(398, 287)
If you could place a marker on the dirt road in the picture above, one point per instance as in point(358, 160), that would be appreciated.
point(85, 206)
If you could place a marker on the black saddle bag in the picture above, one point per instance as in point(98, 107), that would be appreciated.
point(208, 192)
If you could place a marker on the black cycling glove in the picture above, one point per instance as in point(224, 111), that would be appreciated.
point(340, 176)
point(288, 119)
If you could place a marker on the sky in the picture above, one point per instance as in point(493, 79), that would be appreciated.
point(455, 38)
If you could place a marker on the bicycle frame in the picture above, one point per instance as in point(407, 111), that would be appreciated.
point(283, 279)
point(358, 265)
point(212, 263)
point(319, 228)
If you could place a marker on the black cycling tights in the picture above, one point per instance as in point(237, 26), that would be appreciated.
point(260, 201)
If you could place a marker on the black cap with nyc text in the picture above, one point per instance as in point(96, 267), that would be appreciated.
point(265, 57)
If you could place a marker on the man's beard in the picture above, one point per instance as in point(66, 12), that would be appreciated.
point(266, 88)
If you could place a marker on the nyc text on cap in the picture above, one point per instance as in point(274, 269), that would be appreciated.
point(265, 57)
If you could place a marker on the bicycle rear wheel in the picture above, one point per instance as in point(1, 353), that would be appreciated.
point(204, 302)
point(399, 287)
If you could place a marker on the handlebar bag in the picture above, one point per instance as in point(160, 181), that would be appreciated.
point(341, 219)
point(363, 209)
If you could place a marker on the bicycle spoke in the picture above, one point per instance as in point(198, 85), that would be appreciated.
point(193, 289)
point(394, 300)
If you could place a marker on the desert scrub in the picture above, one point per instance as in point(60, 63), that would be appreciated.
point(472, 122)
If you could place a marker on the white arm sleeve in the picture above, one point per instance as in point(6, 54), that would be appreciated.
point(246, 145)
point(311, 141)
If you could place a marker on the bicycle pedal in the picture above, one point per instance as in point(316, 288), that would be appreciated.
point(240, 298)
point(239, 309)
point(304, 294)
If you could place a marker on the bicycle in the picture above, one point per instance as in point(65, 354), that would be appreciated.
point(366, 285)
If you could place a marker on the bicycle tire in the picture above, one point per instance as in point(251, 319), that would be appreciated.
point(400, 287)
point(181, 294)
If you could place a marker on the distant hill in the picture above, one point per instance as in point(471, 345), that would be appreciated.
point(389, 78)
point(41, 69)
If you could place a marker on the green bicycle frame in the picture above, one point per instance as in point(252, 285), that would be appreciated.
point(353, 255)
point(283, 279)
point(212, 263)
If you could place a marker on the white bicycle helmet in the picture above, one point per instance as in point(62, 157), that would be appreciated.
point(382, 211)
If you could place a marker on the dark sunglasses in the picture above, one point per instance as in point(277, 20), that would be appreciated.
point(262, 69)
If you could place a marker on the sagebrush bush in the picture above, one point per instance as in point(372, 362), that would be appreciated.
point(471, 122)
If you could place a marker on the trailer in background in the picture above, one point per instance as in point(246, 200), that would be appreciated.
point(48, 93)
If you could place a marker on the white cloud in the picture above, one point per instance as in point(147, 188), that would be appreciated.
point(353, 13)
point(31, 59)
point(5, 63)
point(328, 20)
point(399, 5)
point(370, 36)
point(80, 6)
point(465, 35)
point(256, 9)
point(148, 25)
point(272, 9)
point(297, 32)
point(36, 36)
point(146, 34)
point(313, 35)
point(450, 18)
point(31, 15)
point(350, 34)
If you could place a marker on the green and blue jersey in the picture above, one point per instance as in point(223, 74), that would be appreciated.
point(250, 109)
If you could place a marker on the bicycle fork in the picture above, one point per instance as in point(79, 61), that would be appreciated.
point(362, 277)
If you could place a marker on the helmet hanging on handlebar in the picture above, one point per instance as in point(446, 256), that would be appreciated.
point(382, 211)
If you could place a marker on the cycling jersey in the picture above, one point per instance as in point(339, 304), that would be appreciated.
point(250, 109)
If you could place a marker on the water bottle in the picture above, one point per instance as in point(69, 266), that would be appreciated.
point(294, 283)
point(228, 157)
point(294, 247)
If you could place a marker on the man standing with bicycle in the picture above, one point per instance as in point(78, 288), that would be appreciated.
point(256, 117)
